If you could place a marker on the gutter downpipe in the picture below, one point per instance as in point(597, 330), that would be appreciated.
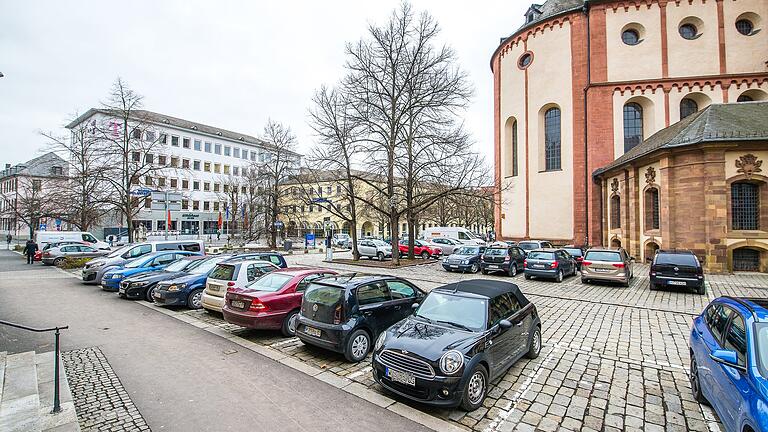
point(585, 9)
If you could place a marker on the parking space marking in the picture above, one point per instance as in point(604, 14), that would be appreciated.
point(360, 373)
point(290, 341)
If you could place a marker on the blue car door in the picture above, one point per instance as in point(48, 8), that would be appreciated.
point(734, 382)
point(710, 372)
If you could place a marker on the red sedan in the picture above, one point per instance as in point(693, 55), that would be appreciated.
point(421, 249)
point(271, 301)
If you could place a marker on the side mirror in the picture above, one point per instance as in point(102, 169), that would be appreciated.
point(415, 306)
point(505, 324)
point(727, 358)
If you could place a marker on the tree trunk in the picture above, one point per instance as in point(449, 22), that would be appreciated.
point(394, 234)
point(411, 219)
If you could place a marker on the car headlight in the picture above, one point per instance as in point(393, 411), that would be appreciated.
point(465, 261)
point(116, 276)
point(451, 362)
point(177, 287)
point(380, 341)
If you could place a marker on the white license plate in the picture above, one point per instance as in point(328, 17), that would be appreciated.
point(599, 270)
point(312, 331)
point(454, 266)
point(238, 304)
point(541, 266)
point(674, 282)
point(493, 266)
point(406, 378)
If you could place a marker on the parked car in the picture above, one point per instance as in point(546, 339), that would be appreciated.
point(549, 263)
point(729, 361)
point(147, 263)
point(187, 290)
point(530, 245)
point(447, 245)
point(677, 268)
point(39, 252)
point(577, 253)
point(457, 233)
point(230, 274)
point(463, 259)
point(420, 248)
point(507, 259)
point(45, 237)
point(94, 270)
point(462, 337)
point(374, 249)
point(143, 285)
point(271, 301)
point(607, 264)
point(340, 239)
point(346, 313)
point(57, 255)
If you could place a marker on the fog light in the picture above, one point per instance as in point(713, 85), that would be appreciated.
point(444, 392)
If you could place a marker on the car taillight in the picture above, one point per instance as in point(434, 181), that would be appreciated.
point(230, 284)
point(553, 265)
point(618, 265)
point(586, 263)
point(525, 263)
point(46, 254)
point(579, 258)
point(257, 306)
point(337, 315)
point(507, 258)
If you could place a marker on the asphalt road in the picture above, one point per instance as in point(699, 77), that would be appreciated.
point(181, 378)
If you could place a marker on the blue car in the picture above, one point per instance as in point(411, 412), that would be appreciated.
point(147, 263)
point(187, 290)
point(729, 361)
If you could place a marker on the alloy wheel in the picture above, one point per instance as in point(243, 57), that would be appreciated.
point(475, 268)
point(476, 388)
point(360, 346)
point(292, 323)
point(513, 270)
point(197, 299)
point(560, 276)
point(537, 342)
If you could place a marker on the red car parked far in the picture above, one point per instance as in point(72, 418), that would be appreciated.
point(271, 301)
point(420, 248)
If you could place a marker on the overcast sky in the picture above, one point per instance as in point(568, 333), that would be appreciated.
point(223, 63)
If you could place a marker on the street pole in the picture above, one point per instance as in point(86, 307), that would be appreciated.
point(167, 215)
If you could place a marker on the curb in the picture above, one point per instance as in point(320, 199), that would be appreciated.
point(342, 383)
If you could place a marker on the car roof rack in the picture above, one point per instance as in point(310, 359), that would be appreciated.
point(741, 301)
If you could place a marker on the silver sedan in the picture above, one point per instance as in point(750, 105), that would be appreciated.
point(56, 255)
point(447, 245)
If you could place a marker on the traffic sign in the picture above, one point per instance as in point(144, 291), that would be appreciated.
point(142, 192)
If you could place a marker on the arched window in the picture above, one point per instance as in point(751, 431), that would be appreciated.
point(745, 206)
point(688, 107)
point(651, 209)
point(615, 212)
point(744, 98)
point(552, 139)
point(514, 148)
point(633, 125)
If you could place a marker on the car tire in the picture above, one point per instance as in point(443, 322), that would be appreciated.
point(475, 390)
point(380, 256)
point(696, 383)
point(534, 348)
point(584, 281)
point(425, 255)
point(701, 290)
point(358, 346)
point(559, 277)
point(653, 286)
point(57, 262)
point(289, 324)
point(195, 299)
point(513, 270)
point(475, 268)
point(527, 277)
point(149, 295)
point(625, 284)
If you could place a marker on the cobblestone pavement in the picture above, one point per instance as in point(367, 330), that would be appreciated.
point(101, 402)
point(614, 358)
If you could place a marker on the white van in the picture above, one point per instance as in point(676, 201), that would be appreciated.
point(42, 238)
point(457, 233)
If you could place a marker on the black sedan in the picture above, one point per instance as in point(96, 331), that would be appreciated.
point(142, 285)
point(463, 259)
point(460, 338)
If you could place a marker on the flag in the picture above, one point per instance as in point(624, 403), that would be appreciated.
point(220, 221)
point(226, 208)
point(168, 222)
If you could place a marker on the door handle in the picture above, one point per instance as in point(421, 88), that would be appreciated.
point(518, 324)
point(367, 313)
point(397, 307)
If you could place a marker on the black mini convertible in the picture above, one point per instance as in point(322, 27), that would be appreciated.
point(460, 338)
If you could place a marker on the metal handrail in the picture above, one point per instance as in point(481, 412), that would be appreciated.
point(56, 401)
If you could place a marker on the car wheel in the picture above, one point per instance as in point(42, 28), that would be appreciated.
point(475, 268)
point(195, 299)
point(513, 270)
point(475, 389)
point(358, 346)
point(58, 261)
point(425, 255)
point(696, 383)
point(701, 290)
point(559, 277)
point(535, 346)
point(289, 324)
point(150, 295)
point(527, 277)
point(653, 286)
point(380, 256)
point(584, 281)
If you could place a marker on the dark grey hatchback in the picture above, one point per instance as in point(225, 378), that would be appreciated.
point(345, 313)
point(549, 263)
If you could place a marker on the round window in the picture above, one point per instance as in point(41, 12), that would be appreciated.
point(688, 31)
point(525, 60)
point(745, 27)
point(630, 37)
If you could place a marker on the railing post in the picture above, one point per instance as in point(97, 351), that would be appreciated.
point(56, 405)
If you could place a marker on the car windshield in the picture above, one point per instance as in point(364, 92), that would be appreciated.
point(464, 311)
point(205, 265)
point(528, 245)
point(573, 251)
point(761, 342)
point(379, 243)
point(467, 250)
point(180, 265)
point(677, 259)
point(119, 252)
point(271, 282)
point(603, 256)
point(223, 272)
point(138, 262)
point(541, 255)
point(495, 251)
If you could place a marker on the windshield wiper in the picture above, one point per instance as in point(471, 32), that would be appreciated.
point(461, 326)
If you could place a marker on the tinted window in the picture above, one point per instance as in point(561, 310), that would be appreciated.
point(466, 311)
point(677, 259)
point(467, 250)
point(163, 260)
point(502, 307)
point(541, 255)
point(305, 282)
point(89, 238)
point(528, 245)
point(736, 339)
point(328, 298)
point(495, 252)
point(87, 249)
point(274, 259)
point(138, 251)
point(603, 256)
point(400, 290)
point(223, 272)
point(370, 294)
point(719, 320)
point(573, 251)
point(256, 270)
point(463, 236)
point(271, 282)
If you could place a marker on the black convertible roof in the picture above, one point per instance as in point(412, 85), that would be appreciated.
point(486, 288)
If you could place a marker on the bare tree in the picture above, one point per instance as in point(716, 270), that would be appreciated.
point(33, 199)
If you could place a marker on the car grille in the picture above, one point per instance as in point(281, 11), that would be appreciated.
point(407, 363)
point(453, 261)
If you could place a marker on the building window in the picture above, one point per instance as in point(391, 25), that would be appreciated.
point(207, 167)
point(57, 170)
point(615, 212)
point(198, 145)
point(744, 98)
point(148, 180)
point(174, 183)
point(525, 60)
point(185, 184)
point(745, 27)
point(254, 156)
point(688, 31)
point(552, 139)
point(236, 152)
point(196, 185)
point(206, 205)
point(174, 162)
point(37, 185)
point(196, 165)
point(149, 158)
point(184, 204)
point(215, 206)
point(651, 209)
point(195, 205)
point(633, 125)
point(161, 181)
point(630, 37)
point(161, 160)
point(149, 136)
point(185, 143)
point(514, 148)
point(136, 134)
point(245, 154)
point(745, 259)
point(174, 141)
point(207, 187)
point(226, 169)
point(207, 147)
point(216, 187)
point(688, 107)
point(236, 171)
point(745, 206)
point(185, 163)
point(163, 139)
point(217, 149)
point(227, 150)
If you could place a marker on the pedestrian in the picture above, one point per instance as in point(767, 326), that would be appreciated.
point(218, 234)
point(29, 249)
point(8, 239)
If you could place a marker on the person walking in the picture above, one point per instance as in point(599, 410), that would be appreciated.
point(8, 239)
point(29, 249)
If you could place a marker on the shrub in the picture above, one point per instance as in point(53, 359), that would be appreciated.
point(73, 263)
point(18, 248)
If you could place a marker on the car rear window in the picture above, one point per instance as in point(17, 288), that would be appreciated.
point(574, 251)
point(467, 250)
point(495, 251)
point(677, 259)
point(223, 272)
point(528, 245)
point(541, 255)
point(271, 282)
point(327, 298)
point(603, 256)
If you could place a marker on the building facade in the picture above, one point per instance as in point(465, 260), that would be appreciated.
point(581, 83)
point(203, 163)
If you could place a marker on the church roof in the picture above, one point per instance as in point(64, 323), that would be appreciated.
point(744, 121)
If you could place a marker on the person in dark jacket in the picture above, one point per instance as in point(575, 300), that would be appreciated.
point(29, 251)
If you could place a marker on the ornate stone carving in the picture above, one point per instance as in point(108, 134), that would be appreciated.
point(748, 165)
point(650, 175)
point(615, 185)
